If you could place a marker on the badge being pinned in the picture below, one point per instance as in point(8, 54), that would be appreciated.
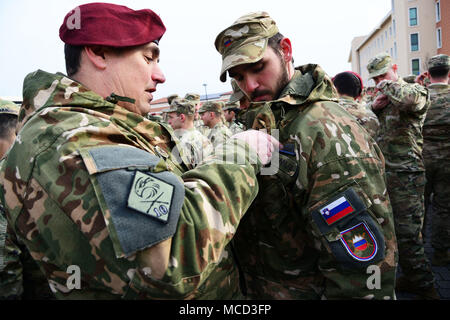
point(336, 210)
point(360, 242)
point(151, 196)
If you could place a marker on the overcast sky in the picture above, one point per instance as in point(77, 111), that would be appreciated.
point(321, 32)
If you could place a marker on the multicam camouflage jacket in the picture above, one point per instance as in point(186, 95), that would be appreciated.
point(363, 115)
point(235, 127)
point(322, 224)
point(196, 146)
point(436, 129)
point(94, 192)
point(401, 122)
point(219, 134)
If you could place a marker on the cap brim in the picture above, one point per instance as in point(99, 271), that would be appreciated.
point(379, 72)
point(239, 56)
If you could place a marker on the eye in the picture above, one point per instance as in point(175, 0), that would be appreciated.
point(148, 59)
point(258, 67)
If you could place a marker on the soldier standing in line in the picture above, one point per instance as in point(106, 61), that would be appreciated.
point(436, 154)
point(324, 217)
point(20, 277)
point(230, 110)
point(212, 113)
point(244, 102)
point(401, 109)
point(349, 86)
point(198, 122)
point(181, 118)
point(91, 186)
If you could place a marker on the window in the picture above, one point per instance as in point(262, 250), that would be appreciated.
point(439, 37)
point(438, 11)
point(393, 27)
point(390, 31)
point(395, 50)
point(415, 66)
point(412, 17)
point(414, 42)
point(392, 53)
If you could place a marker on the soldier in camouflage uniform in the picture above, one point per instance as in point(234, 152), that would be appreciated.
point(401, 108)
point(230, 110)
point(239, 96)
point(322, 220)
point(349, 86)
point(198, 122)
point(195, 145)
point(91, 184)
point(436, 154)
point(20, 277)
point(212, 113)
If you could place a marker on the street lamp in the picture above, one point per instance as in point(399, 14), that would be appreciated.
point(206, 92)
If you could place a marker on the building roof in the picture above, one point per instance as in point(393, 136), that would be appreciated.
point(377, 28)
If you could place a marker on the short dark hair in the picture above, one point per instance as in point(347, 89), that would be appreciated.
point(348, 84)
point(439, 72)
point(274, 43)
point(8, 123)
point(72, 56)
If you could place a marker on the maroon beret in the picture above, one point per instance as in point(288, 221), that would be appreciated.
point(110, 25)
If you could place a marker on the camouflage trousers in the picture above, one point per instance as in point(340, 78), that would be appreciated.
point(438, 185)
point(406, 192)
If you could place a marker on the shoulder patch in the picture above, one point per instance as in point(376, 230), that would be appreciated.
point(141, 207)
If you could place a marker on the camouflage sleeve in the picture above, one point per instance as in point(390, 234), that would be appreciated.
point(11, 277)
point(411, 97)
point(345, 203)
point(217, 194)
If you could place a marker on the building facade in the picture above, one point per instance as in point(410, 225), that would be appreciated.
point(412, 32)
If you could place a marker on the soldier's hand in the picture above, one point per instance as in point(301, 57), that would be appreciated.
point(261, 142)
point(380, 102)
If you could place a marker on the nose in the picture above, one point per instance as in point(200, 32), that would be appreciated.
point(250, 84)
point(158, 75)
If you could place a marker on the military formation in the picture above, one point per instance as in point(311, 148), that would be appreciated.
point(300, 186)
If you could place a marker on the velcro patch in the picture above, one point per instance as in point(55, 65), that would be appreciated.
point(359, 242)
point(151, 196)
point(336, 210)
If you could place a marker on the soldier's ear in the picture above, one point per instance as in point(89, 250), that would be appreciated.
point(182, 117)
point(96, 55)
point(286, 49)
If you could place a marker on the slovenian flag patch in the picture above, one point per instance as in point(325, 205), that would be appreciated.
point(336, 210)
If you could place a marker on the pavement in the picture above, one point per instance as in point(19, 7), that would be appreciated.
point(441, 274)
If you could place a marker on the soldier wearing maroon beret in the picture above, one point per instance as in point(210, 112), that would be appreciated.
point(94, 189)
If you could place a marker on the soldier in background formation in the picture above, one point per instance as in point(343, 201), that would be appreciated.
point(401, 108)
point(211, 113)
point(230, 110)
point(436, 154)
point(349, 86)
point(94, 184)
point(324, 217)
point(196, 146)
point(20, 277)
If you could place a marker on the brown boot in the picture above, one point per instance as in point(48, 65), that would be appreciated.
point(427, 293)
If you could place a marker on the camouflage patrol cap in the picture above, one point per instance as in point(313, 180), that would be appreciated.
point(8, 107)
point(192, 97)
point(245, 41)
point(214, 106)
point(182, 106)
point(231, 105)
point(237, 92)
point(379, 64)
point(441, 60)
point(171, 98)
